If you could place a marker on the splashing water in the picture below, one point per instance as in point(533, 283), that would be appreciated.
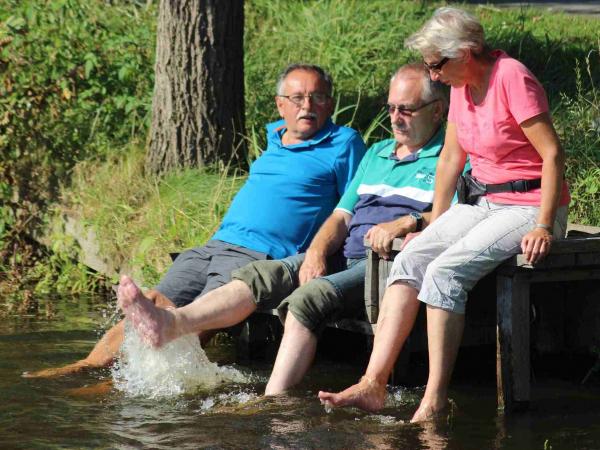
point(179, 367)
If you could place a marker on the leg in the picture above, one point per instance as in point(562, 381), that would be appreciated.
point(295, 355)
point(223, 307)
point(400, 305)
point(226, 258)
point(105, 350)
point(307, 310)
point(396, 318)
point(447, 281)
point(444, 333)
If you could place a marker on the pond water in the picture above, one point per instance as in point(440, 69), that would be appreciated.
point(77, 412)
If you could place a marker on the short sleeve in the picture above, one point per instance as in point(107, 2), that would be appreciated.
point(351, 197)
point(525, 96)
point(347, 162)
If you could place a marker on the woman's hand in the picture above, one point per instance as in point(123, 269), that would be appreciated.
point(535, 245)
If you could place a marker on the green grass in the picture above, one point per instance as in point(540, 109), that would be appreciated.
point(140, 219)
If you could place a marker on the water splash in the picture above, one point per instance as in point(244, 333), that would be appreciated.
point(179, 367)
point(228, 400)
point(402, 396)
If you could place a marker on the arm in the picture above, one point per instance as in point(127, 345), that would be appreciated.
point(540, 132)
point(450, 165)
point(327, 241)
point(382, 235)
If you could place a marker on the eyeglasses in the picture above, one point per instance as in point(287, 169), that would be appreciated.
point(298, 99)
point(405, 111)
point(436, 67)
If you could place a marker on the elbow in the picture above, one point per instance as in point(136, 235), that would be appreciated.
point(556, 158)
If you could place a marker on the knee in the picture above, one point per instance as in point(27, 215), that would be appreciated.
point(439, 269)
point(312, 305)
point(267, 280)
point(444, 287)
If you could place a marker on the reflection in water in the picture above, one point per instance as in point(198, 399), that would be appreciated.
point(179, 367)
point(44, 413)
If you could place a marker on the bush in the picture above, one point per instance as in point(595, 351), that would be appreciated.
point(77, 84)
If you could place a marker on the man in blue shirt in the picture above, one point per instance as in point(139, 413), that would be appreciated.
point(291, 189)
point(390, 196)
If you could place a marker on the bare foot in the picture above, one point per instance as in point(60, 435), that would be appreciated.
point(155, 326)
point(431, 410)
point(367, 394)
point(76, 367)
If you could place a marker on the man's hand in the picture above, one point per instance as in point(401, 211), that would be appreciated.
point(314, 266)
point(382, 236)
point(536, 244)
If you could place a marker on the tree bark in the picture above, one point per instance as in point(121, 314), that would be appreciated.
point(198, 101)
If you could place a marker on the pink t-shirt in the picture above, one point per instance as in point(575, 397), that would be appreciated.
point(490, 133)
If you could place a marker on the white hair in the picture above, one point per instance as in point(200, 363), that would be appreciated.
point(430, 90)
point(448, 33)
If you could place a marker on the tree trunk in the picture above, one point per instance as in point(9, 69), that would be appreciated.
point(198, 102)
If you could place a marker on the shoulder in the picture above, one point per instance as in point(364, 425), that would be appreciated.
point(378, 152)
point(510, 69)
point(347, 141)
point(273, 133)
point(274, 126)
point(341, 134)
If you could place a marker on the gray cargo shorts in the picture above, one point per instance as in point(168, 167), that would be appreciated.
point(202, 269)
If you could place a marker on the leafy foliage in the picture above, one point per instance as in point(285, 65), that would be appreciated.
point(76, 87)
point(76, 80)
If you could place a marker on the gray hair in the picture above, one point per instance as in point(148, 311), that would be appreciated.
point(430, 90)
point(448, 33)
point(323, 75)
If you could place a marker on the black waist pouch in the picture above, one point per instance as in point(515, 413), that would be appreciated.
point(468, 189)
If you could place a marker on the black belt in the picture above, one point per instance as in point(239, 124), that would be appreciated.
point(513, 186)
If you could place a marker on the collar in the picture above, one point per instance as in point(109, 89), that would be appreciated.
point(431, 149)
point(276, 130)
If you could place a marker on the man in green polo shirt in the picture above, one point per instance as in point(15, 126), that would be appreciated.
point(390, 196)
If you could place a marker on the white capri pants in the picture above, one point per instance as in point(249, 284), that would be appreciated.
point(462, 246)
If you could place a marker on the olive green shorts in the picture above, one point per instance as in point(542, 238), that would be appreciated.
point(275, 285)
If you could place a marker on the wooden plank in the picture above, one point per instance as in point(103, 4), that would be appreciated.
point(539, 276)
point(372, 286)
point(355, 325)
point(582, 228)
point(512, 349)
point(385, 266)
point(588, 259)
point(396, 244)
point(553, 261)
point(576, 245)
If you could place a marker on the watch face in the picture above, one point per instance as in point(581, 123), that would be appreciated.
point(416, 215)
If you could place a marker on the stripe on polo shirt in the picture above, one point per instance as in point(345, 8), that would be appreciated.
point(384, 190)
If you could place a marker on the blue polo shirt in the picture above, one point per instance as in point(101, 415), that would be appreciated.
point(291, 190)
point(386, 188)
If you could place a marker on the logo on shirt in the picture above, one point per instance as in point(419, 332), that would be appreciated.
point(425, 177)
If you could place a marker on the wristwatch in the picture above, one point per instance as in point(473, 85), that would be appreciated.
point(418, 220)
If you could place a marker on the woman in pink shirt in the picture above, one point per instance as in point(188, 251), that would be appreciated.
point(499, 118)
